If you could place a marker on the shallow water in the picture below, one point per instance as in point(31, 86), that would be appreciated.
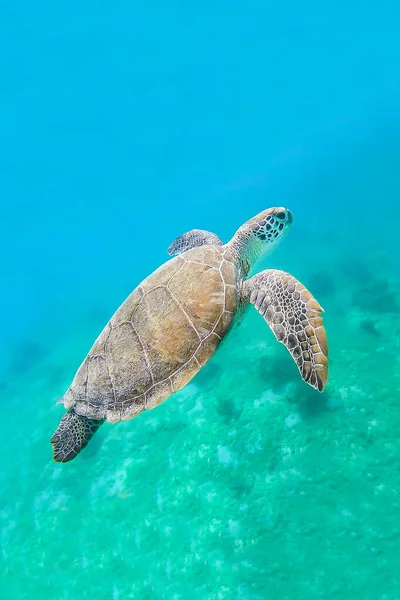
point(122, 127)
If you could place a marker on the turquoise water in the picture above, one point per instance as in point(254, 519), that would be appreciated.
point(122, 126)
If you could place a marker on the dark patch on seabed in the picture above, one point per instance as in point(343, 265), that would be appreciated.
point(275, 372)
point(356, 271)
point(377, 296)
point(369, 326)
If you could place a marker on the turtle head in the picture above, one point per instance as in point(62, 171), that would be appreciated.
point(260, 235)
point(269, 226)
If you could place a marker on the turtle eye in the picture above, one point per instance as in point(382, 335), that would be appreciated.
point(281, 216)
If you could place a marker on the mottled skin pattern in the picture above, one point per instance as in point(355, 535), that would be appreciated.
point(174, 321)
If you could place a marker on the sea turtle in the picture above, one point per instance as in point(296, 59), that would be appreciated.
point(173, 322)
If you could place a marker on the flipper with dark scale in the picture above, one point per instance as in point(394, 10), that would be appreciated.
point(295, 318)
point(72, 434)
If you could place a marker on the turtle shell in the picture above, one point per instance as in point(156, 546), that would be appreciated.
point(159, 338)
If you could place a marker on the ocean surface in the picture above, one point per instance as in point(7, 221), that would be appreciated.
point(122, 125)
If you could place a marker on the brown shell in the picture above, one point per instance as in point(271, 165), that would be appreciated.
point(159, 338)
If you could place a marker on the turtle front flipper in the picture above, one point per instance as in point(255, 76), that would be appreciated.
point(295, 318)
point(193, 238)
point(72, 435)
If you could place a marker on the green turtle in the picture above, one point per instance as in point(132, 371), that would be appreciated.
point(174, 321)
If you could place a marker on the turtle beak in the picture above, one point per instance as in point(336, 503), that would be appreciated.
point(283, 215)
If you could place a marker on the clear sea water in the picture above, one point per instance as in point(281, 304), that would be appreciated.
point(122, 125)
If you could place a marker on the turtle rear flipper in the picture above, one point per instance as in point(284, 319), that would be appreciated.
point(72, 435)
